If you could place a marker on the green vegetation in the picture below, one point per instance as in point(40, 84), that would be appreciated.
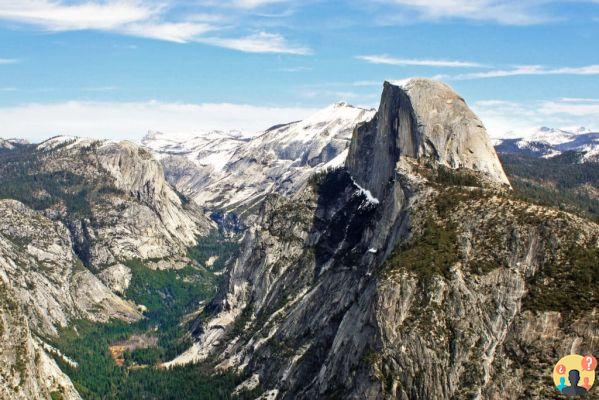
point(215, 244)
point(452, 177)
point(429, 253)
point(559, 182)
point(569, 286)
point(330, 182)
point(23, 178)
point(56, 396)
point(169, 295)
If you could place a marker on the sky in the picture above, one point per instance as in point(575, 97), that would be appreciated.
point(119, 68)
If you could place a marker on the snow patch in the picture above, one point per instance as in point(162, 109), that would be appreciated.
point(369, 197)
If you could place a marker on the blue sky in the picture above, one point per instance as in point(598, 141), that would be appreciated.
point(117, 68)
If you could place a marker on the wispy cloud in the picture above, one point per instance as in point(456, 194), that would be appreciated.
point(100, 89)
point(262, 42)
point(251, 4)
point(4, 61)
point(131, 120)
point(509, 12)
point(524, 70)
point(509, 118)
point(295, 69)
point(578, 100)
point(57, 15)
point(582, 109)
point(148, 19)
point(388, 60)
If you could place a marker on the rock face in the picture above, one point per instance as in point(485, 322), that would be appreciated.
point(422, 119)
point(26, 370)
point(417, 277)
point(43, 287)
point(37, 257)
point(10, 144)
point(113, 197)
point(227, 172)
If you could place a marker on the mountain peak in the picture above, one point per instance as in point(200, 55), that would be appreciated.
point(421, 118)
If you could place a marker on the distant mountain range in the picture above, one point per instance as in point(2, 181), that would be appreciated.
point(230, 171)
point(549, 142)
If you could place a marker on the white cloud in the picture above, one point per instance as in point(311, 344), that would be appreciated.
point(100, 89)
point(179, 32)
point(57, 15)
point(568, 108)
point(242, 4)
point(250, 4)
point(578, 100)
point(524, 70)
point(4, 61)
point(295, 69)
point(262, 42)
point(148, 19)
point(510, 12)
point(132, 120)
point(387, 60)
point(509, 119)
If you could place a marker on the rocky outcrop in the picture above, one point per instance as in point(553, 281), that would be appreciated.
point(10, 144)
point(43, 287)
point(115, 201)
point(49, 281)
point(422, 119)
point(26, 371)
point(412, 274)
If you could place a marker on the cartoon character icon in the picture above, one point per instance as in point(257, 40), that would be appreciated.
point(574, 374)
point(574, 389)
point(562, 384)
point(586, 384)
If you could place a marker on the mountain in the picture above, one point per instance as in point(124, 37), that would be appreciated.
point(411, 273)
point(73, 212)
point(374, 254)
point(548, 142)
point(562, 181)
point(9, 144)
point(113, 198)
point(225, 171)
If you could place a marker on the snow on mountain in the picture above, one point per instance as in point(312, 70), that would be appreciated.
point(549, 142)
point(226, 170)
point(213, 148)
point(9, 144)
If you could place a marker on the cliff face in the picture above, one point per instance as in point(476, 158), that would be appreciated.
point(412, 274)
point(43, 288)
point(26, 370)
point(113, 198)
point(425, 120)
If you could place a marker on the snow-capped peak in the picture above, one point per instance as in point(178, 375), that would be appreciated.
point(331, 120)
point(550, 142)
point(228, 169)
